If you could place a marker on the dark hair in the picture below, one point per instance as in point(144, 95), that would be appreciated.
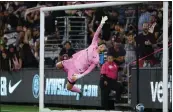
point(67, 42)
point(129, 33)
point(110, 54)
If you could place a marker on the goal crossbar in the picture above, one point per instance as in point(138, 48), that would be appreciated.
point(85, 6)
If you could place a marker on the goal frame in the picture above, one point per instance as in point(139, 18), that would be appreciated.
point(94, 5)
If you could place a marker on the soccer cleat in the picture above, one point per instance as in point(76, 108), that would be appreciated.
point(79, 96)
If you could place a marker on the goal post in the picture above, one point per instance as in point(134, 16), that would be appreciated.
point(41, 70)
point(85, 6)
point(165, 57)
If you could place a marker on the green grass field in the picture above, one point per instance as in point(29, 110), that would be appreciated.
point(20, 108)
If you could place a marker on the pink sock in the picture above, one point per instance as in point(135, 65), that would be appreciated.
point(75, 89)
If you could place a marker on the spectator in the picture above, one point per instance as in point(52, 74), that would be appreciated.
point(36, 33)
point(28, 59)
point(20, 38)
point(66, 52)
point(110, 43)
point(27, 52)
point(12, 20)
point(35, 39)
point(4, 61)
point(130, 47)
point(145, 41)
point(14, 58)
point(28, 34)
point(154, 27)
point(118, 53)
point(160, 19)
point(71, 12)
point(112, 37)
point(90, 16)
point(93, 18)
point(33, 18)
point(114, 16)
point(19, 27)
point(78, 12)
point(36, 50)
point(144, 17)
point(131, 29)
point(119, 33)
point(18, 18)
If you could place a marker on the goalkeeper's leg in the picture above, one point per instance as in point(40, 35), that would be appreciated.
point(71, 83)
point(73, 88)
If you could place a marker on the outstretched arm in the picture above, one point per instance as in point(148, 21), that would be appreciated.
point(95, 38)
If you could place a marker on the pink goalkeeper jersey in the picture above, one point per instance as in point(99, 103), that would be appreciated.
point(86, 60)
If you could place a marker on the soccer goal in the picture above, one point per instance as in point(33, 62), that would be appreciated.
point(96, 5)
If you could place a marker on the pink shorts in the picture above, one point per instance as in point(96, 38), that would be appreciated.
point(70, 69)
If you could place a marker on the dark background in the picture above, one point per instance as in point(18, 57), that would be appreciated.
point(145, 77)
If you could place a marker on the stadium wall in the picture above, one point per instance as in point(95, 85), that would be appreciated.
point(150, 87)
point(23, 87)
